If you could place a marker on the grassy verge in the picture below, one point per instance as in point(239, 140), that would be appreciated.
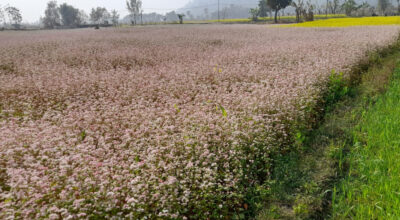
point(371, 189)
point(303, 181)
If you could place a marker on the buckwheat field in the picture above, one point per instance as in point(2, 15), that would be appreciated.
point(158, 122)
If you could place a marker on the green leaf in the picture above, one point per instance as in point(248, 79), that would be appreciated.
point(224, 113)
point(176, 108)
point(83, 135)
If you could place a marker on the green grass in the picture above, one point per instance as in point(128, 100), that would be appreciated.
point(305, 181)
point(371, 190)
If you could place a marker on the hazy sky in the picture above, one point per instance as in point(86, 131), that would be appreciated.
point(32, 9)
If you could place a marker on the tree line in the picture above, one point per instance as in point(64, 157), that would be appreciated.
point(305, 9)
point(65, 15)
point(12, 14)
point(68, 16)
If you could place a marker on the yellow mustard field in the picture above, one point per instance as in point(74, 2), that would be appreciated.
point(347, 22)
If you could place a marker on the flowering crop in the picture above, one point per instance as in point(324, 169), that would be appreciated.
point(167, 122)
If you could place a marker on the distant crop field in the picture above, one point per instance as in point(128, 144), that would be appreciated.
point(158, 122)
point(349, 22)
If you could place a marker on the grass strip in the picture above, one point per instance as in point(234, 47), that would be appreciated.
point(304, 182)
point(371, 189)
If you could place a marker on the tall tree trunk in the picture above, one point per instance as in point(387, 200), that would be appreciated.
point(297, 15)
point(398, 7)
point(276, 16)
point(327, 2)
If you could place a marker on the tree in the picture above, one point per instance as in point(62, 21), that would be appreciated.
point(326, 8)
point(51, 15)
point(263, 8)
point(277, 5)
point(383, 5)
point(180, 16)
point(2, 17)
point(14, 15)
point(135, 8)
point(70, 15)
point(398, 7)
point(114, 17)
point(299, 9)
point(99, 15)
point(334, 6)
point(349, 6)
point(254, 13)
point(309, 11)
point(82, 17)
point(363, 9)
point(206, 16)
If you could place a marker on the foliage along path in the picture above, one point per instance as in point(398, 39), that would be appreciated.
point(371, 189)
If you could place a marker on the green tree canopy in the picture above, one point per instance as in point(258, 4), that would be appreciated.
point(51, 15)
point(69, 15)
point(277, 5)
point(99, 15)
point(383, 5)
point(263, 8)
point(114, 17)
point(349, 6)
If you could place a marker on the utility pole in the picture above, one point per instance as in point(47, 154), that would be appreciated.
point(218, 10)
